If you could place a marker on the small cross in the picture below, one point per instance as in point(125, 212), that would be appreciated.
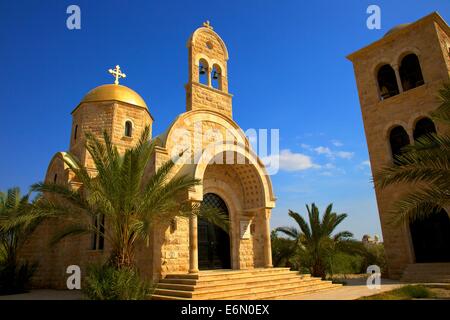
point(117, 74)
point(207, 25)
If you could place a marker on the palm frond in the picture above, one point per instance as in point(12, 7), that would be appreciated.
point(289, 231)
point(418, 204)
point(305, 229)
point(70, 230)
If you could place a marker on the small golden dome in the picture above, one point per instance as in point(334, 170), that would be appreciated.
point(117, 92)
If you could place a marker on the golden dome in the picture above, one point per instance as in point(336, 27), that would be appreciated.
point(117, 92)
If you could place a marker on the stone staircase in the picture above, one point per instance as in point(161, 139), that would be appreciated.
point(253, 284)
point(427, 273)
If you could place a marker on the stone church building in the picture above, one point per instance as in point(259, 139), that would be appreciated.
point(241, 188)
point(398, 79)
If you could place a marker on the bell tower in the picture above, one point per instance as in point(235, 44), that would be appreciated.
point(207, 86)
point(398, 79)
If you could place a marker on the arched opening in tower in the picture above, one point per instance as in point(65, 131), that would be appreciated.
point(387, 82)
point(410, 72)
point(398, 139)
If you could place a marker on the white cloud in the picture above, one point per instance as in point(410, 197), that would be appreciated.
point(365, 163)
point(291, 161)
point(305, 146)
point(344, 154)
point(333, 154)
point(323, 150)
point(337, 143)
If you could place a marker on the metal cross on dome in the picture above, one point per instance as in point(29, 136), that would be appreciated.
point(206, 24)
point(117, 74)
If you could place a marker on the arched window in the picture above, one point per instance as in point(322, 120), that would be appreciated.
point(203, 72)
point(75, 132)
point(410, 72)
point(128, 129)
point(55, 178)
point(423, 126)
point(398, 139)
point(387, 82)
point(216, 77)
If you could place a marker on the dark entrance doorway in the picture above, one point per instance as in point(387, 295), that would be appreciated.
point(431, 238)
point(213, 242)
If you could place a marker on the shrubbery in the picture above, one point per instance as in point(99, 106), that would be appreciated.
point(105, 282)
point(285, 253)
point(15, 278)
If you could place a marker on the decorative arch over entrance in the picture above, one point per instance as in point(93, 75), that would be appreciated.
point(247, 190)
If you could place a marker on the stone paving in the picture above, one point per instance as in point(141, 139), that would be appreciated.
point(45, 294)
point(354, 289)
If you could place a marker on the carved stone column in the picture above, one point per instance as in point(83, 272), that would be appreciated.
point(193, 244)
point(267, 241)
point(209, 80)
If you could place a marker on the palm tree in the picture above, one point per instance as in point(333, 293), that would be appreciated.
point(315, 240)
point(129, 202)
point(283, 250)
point(425, 165)
point(16, 225)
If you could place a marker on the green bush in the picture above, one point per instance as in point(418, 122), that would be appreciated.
point(404, 293)
point(105, 282)
point(16, 278)
point(416, 292)
point(283, 251)
point(344, 263)
point(374, 255)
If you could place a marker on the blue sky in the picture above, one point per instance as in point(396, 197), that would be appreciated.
point(287, 70)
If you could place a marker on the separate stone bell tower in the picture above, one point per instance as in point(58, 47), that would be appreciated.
point(398, 79)
point(207, 87)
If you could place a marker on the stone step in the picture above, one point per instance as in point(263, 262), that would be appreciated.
point(278, 294)
point(233, 284)
point(281, 293)
point(218, 293)
point(243, 278)
point(430, 264)
point(440, 270)
point(163, 297)
point(270, 283)
point(426, 280)
point(226, 274)
point(272, 294)
point(332, 286)
point(437, 274)
point(269, 291)
point(427, 272)
point(188, 291)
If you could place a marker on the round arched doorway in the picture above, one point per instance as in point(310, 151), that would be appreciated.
point(431, 238)
point(213, 242)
